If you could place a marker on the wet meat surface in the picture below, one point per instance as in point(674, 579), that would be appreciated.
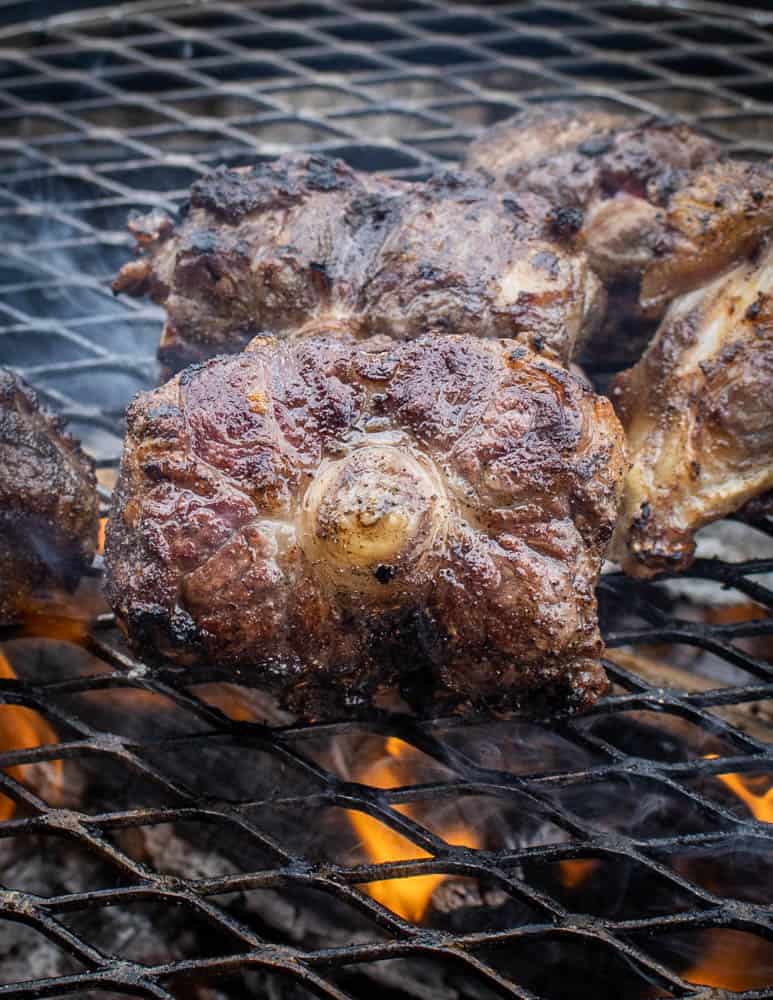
point(663, 212)
point(333, 518)
point(306, 243)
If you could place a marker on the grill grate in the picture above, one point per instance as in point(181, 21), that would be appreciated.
point(121, 108)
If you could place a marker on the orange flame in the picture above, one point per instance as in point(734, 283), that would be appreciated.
point(733, 960)
point(20, 729)
point(101, 535)
point(60, 616)
point(574, 873)
point(407, 897)
point(760, 803)
point(229, 699)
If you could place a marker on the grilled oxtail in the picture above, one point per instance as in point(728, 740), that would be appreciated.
point(619, 174)
point(48, 501)
point(662, 213)
point(305, 244)
point(331, 518)
point(698, 412)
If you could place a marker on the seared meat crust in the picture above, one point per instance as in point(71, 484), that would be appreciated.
point(719, 215)
point(698, 412)
point(663, 214)
point(306, 243)
point(334, 518)
point(48, 500)
point(532, 138)
point(621, 175)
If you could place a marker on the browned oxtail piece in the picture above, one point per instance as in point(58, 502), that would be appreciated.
point(698, 413)
point(333, 518)
point(305, 244)
point(663, 213)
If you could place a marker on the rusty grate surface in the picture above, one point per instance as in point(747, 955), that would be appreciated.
point(121, 108)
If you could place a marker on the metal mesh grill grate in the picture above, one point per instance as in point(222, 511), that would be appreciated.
point(121, 109)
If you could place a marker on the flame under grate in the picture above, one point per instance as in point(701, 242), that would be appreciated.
point(122, 108)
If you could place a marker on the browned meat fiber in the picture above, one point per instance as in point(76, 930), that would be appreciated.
point(620, 173)
point(48, 501)
point(682, 236)
point(698, 413)
point(305, 244)
point(334, 518)
point(663, 212)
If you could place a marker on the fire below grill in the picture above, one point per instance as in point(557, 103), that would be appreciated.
point(168, 834)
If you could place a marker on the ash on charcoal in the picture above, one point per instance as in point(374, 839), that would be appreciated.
point(38, 865)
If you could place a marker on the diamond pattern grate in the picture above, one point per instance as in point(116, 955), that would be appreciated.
point(116, 108)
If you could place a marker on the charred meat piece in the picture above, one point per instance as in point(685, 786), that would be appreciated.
point(306, 243)
point(663, 214)
point(533, 139)
point(620, 175)
point(698, 412)
point(333, 518)
point(48, 501)
point(718, 215)
point(666, 221)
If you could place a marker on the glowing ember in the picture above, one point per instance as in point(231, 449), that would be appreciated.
point(101, 535)
point(759, 801)
point(20, 729)
point(574, 873)
point(59, 616)
point(733, 961)
point(407, 897)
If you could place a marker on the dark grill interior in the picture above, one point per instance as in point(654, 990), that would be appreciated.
point(120, 109)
